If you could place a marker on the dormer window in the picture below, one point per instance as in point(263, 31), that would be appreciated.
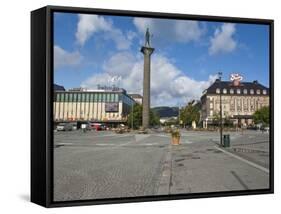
point(224, 91)
point(264, 91)
point(238, 91)
point(231, 91)
point(245, 91)
point(258, 91)
point(218, 90)
point(252, 91)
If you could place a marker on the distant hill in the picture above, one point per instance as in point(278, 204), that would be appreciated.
point(165, 111)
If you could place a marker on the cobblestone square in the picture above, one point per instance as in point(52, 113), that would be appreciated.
point(96, 165)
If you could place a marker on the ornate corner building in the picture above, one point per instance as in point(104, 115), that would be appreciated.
point(240, 100)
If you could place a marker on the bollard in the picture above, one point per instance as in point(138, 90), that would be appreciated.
point(226, 140)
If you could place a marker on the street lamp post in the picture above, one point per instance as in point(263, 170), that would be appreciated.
point(132, 116)
point(179, 114)
point(220, 76)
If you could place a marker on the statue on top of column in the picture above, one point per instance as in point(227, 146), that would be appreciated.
point(147, 38)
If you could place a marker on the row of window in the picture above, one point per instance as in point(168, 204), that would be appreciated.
point(86, 97)
point(92, 97)
point(238, 91)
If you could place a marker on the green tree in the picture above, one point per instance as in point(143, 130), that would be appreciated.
point(262, 115)
point(137, 117)
point(216, 117)
point(154, 118)
point(190, 113)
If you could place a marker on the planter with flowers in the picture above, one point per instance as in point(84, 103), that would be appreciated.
point(175, 137)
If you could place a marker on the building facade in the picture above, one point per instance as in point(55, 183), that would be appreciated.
point(137, 98)
point(107, 105)
point(240, 100)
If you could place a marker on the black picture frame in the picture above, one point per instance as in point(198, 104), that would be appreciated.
point(42, 97)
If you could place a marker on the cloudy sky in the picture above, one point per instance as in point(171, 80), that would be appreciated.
point(91, 50)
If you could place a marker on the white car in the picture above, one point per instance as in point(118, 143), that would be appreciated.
point(64, 127)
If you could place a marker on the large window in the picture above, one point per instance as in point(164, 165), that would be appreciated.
point(112, 97)
point(91, 97)
point(103, 97)
point(87, 97)
point(74, 97)
point(62, 97)
point(58, 97)
point(108, 97)
point(83, 97)
point(66, 97)
point(70, 97)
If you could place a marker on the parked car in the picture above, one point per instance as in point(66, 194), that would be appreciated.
point(103, 127)
point(74, 126)
point(64, 127)
point(96, 126)
point(265, 129)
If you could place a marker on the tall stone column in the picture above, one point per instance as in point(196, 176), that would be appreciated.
point(147, 51)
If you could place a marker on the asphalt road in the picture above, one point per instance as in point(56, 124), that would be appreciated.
point(95, 165)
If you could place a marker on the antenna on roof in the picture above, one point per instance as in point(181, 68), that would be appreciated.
point(220, 75)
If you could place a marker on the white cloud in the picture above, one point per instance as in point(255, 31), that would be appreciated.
point(88, 25)
point(64, 58)
point(222, 41)
point(170, 30)
point(122, 43)
point(169, 85)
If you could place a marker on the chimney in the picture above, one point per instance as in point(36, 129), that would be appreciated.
point(255, 82)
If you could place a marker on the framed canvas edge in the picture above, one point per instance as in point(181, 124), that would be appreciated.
point(49, 89)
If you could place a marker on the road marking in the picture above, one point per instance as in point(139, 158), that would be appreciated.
point(104, 144)
point(149, 144)
point(123, 144)
point(114, 135)
point(244, 160)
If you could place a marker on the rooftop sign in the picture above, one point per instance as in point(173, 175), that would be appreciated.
point(236, 79)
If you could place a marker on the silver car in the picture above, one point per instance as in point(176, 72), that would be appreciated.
point(64, 127)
